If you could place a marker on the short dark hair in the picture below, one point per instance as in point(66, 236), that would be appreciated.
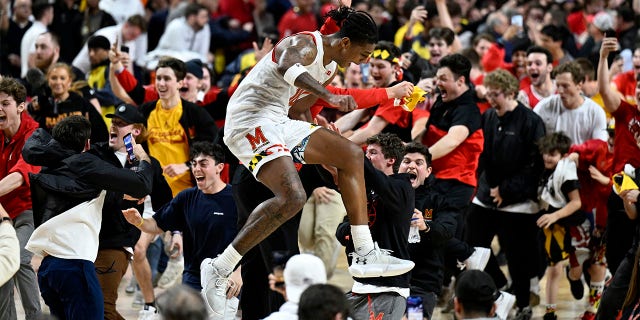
point(178, 66)
point(323, 302)
point(39, 7)
point(391, 146)
point(554, 32)
point(486, 36)
point(358, 26)
point(587, 68)
point(181, 302)
point(557, 141)
point(571, 67)
point(477, 292)
point(13, 88)
point(539, 49)
point(72, 132)
point(137, 20)
point(443, 33)
point(389, 47)
point(193, 9)
point(459, 65)
point(207, 148)
point(415, 147)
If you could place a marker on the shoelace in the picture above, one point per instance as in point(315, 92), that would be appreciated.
point(383, 252)
point(221, 286)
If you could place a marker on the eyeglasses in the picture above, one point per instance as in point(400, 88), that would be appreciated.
point(493, 94)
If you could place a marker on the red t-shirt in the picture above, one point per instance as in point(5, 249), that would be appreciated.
point(292, 23)
point(625, 147)
point(626, 84)
point(593, 194)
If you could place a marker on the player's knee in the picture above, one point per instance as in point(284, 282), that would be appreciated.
point(294, 202)
point(353, 156)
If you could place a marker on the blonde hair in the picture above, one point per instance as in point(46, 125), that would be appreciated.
point(502, 80)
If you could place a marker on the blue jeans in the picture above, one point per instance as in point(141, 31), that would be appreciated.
point(71, 289)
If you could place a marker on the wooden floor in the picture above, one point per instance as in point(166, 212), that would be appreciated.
point(568, 308)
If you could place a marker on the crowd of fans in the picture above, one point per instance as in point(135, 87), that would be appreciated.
point(478, 119)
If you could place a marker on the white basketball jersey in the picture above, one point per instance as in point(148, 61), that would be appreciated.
point(265, 94)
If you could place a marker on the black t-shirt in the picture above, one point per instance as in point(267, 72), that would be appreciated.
point(461, 111)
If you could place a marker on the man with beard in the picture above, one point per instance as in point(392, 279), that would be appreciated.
point(43, 13)
point(188, 37)
point(48, 53)
point(539, 84)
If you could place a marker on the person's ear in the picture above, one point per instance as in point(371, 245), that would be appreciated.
point(136, 132)
point(457, 308)
point(345, 43)
point(87, 145)
point(20, 107)
point(492, 312)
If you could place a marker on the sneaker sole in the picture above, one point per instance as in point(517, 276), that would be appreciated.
point(381, 270)
point(483, 260)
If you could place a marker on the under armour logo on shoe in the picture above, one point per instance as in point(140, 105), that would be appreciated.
point(361, 260)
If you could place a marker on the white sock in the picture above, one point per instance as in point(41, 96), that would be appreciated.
point(534, 285)
point(228, 259)
point(362, 240)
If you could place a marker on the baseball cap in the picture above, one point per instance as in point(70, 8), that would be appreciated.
point(476, 285)
point(128, 113)
point(603, 21)
point(301, 271)
point(194, 66)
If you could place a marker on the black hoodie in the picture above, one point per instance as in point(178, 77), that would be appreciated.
point(69, 178)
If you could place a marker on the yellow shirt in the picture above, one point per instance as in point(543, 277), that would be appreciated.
point(168, 143)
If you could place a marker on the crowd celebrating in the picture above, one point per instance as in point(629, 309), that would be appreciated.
point(239, 147)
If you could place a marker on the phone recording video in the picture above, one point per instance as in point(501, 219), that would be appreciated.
point(128, 144)
point(124, 49)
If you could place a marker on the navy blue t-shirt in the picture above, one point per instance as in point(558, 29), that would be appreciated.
point(207, 221)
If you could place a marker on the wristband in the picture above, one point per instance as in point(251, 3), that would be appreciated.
point(176, 232)
point(141, 222)
point(119, 70)
point(293, 73)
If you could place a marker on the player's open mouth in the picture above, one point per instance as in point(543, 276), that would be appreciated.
point(199, 178)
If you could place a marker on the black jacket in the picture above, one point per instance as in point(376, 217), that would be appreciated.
point(196, 121)
point(390, 203)
point(69, 178)
point(428, 274)
point(510, 159)
point(116, 232)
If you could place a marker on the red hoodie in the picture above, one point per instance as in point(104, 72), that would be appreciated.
point(18, 200)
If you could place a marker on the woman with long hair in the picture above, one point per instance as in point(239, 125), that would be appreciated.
point(62, 98)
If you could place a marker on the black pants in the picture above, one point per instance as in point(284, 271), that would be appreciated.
point(614, 295)
point(620, 231)
point(518, 236)
point(458, 195)
point(257, 301)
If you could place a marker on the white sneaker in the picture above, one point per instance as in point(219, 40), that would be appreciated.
point(148, 313)
point(172, 273)
point(214, 288)
point(479, 259)
point(378, 263)
point(504, 304)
